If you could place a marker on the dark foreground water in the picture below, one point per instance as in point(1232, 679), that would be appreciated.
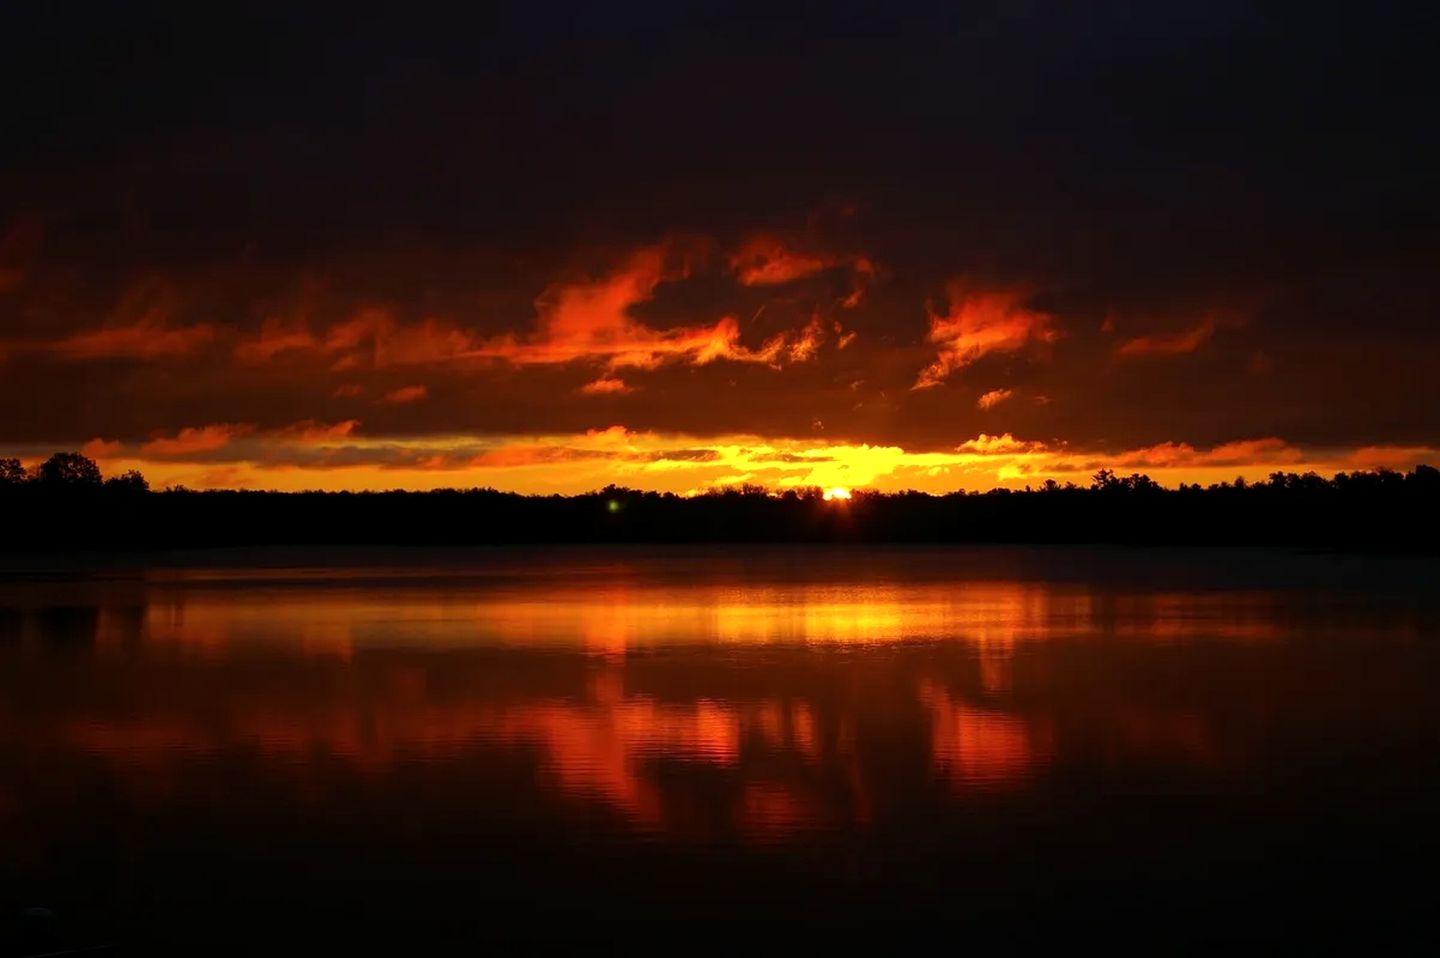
point(693, 750)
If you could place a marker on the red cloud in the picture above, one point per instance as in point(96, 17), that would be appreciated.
point(370, 336)
point(1240, 453)
point(139, 328)
point(150, 338)
point(101, 448)
point(1185, 341)
point(591, 320)
point(276, 336)
point(766, 260)
point(585, 320)
point(606, 385)
point(406, 394)
point(977, 324)
point(194, 439)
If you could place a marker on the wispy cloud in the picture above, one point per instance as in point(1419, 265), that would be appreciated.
point(1185, 341)
point(993, 398)
point(979, 323)
point(606, 386)
point(406, 394)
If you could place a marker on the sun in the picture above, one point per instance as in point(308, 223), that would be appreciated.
point(838, 492)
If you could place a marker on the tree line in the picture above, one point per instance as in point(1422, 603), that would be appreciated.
point(65, 503)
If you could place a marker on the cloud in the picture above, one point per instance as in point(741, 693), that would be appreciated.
point(195, 439)
point(1391, 457)
point(1002, 445)
point(993, 398)
point(102, 448)
point(311, 431)
point(225, 442)
point(371, 337)
point(806, 343)
point(591, 320)
point(767, 260)
point(586, 320)
point(1185, 341)
point(147, 338)
point(1170, 454)
point(406, 394)
point(312, 455)
point(977, 324)
point(606, 385)
point(139, 328)
point(276, 336)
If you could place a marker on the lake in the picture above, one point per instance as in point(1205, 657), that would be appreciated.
point(697, 749)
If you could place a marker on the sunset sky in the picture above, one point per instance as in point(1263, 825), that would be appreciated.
point(545, 248)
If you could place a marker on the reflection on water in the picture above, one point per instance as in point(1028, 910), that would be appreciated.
point(876, 724)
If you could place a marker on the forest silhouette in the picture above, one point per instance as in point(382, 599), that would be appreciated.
point(64, 503)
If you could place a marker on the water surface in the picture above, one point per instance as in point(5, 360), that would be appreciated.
point(700, 748)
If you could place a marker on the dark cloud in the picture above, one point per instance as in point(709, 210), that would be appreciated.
point(202, 198)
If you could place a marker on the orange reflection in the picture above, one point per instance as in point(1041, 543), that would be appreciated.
point(979, 747)
point(758, 707)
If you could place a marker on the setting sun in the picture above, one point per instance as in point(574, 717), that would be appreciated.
point(838, 492)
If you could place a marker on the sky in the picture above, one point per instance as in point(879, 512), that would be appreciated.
point(548, 247)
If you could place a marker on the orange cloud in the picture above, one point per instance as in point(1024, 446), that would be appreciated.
point(277, 335)
point(606, 386)
point(193, 439)
point(149, 338)
point(371, 337)
point(1244, 452)
point(101, 448)
point(1185, 341)
point(767, 260)
point(993, 398)
point(311, 455)
point(806, 344)
point(309, 430)
point(406, 394)
point(977, 324)
point(576, 321)
point(591, 320)
point(139, 328)
point(1390, 457)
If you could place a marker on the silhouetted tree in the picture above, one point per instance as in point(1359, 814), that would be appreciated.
point(11, 473)
point(1380, 510)
point(129, 481)
point(69, 469)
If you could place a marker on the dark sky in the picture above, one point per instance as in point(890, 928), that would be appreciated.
point(1136, 224)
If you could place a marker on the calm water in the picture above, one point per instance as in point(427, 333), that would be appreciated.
point(691, 749)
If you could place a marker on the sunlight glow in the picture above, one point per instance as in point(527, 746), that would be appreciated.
point(838, 492)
